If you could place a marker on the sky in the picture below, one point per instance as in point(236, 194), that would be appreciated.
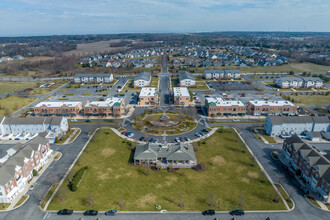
point(57, 17)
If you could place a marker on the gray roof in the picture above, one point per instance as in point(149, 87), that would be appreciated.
point(143, 76)
point(186, 75)
point(53, 120)
point(311, 154)
point(152, 151)
point(287, 78)
point(321, 119)
point(93, 75)
point(326, 135)
point(222, 71)
point(7, 169)
point(314, 134)
point(278, 120)
point(314, 79)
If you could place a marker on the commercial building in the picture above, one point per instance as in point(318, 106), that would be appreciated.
point(222, 74)
point(148, 97)
point(312, 82)
point(288, 126)
point(109, 107)
point(263, 107)
point(163, 155)
point(57, 108)
point(186, 79)
point(310, 167)
point(181, 96)
point(218, 107)
point(93, 78)
point(25, 128)
point(142, 80)
point(17, 164)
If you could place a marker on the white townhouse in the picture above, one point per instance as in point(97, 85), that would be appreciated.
point(142, 79)
point(187, 79)
point(93, 78)
point(312, 82)
point(222, 74)
point(289, 82)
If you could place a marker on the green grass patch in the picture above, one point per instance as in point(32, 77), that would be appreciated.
point(312, 200)
point(48, 195)
point(285, 195)
point(111, 182)
point(311, 99)
point(66, 136)
point(200, 85)
point(4, 206)
point(21, 201)
point(13, 103)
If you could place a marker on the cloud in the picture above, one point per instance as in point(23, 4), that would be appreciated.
point(113, 16)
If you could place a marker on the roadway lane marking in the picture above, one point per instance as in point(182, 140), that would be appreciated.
point(45, 216)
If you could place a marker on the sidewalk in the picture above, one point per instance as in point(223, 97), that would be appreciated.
point(70, 137)
point(27, 185)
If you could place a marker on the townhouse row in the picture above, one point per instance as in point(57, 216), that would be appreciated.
point(299, 82)
point(93, 78)
point(110, 107)
point(310, 167)
point(17, 165)
point(218, 107)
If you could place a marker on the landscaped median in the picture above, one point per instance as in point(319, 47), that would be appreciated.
point(230, 179)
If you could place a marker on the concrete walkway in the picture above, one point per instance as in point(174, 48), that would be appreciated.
point(71, 136)
point(34, 179)
point(321, 204)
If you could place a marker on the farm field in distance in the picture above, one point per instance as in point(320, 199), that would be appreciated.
point(231, 177)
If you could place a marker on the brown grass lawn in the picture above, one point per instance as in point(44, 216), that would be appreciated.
point(13, 103)
point(110, 180)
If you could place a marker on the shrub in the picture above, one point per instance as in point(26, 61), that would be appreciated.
point(56, 140)
point(73, 187)
point(34, 172)
point(76, 179)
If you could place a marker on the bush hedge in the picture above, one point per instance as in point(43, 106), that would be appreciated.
point(73, 185)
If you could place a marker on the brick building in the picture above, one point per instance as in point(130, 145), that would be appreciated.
point(181, 96)
point(57, 108)
point(263, 107)
point(148, 97)
point(17, 164)
point(109, 107)
point(310, 167)
point(217, 107)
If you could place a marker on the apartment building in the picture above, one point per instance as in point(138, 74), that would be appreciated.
point(57, 108)
point(287, 126)
point(289, 82)
point(181, 96)
point(17, 164)
point(93, 78)
point(217, 107)
point(110, 107)
point(142, 80)
point(31, 126)
point(312, 82)
point(222, 74)
point(310, 167)
point(186, 79)
point(148, 97)
point(264, 107)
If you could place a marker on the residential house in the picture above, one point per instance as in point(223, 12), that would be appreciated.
point(142, 80)
point(310, 167)
point(312, 82)
point(93, 78)
point(17, 164)
point(289, 82)
point(264, 107)
point(217, 107)
point(186, 79)
point(163, 155)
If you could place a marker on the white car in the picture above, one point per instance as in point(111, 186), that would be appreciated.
point(235, 120)
point(177, 139)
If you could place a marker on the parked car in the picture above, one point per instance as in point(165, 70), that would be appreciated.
point(32, 186)
point(73, 120)
point(88, 120)
point(142, 139)
point(208, 212)
point(235, 120)
point(111, 212)
point(197, 135)
point(65, 212)
point(130, 134)
point(151, 140)
point(237, 212)
point(155, 141)
point(205, 130)
point(201, 134)
point(187, 138)
point(124, 132)
point(91, 212)
point(181, 139)
point(177, 139)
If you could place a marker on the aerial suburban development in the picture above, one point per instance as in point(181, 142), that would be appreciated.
point(156, 126)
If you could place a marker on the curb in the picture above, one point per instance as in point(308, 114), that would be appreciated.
point(59, 157)
point(294, 204)
point(79, 131)
point(68, 171)
point(9, 210)
point(315, 205)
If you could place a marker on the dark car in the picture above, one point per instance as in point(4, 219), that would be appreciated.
point(111, 212)
point(208, 212)
point(65, 212)
point(142, 139)
point(237, 212)
point(91, 212)
point(205, 130)
point(151, 140)
point(88, 120)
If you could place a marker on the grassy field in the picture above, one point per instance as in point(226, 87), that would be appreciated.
point(13, 103)
point(200, 85)
point(231, 177)
point(311, 99)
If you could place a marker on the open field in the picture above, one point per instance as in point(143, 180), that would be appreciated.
point(231, 177)
point(200, 85)
point(13, 103)
point(311, 99)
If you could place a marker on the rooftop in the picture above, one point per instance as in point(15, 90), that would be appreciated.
point(181, 91)
point(217, 101)
point(54, 120)
point(57, 104)
point(186, 75)
point(143, 76)
point(114, 101)
point(148, 91)
point(271, 103)
point(298, 119)
point(93, 75)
